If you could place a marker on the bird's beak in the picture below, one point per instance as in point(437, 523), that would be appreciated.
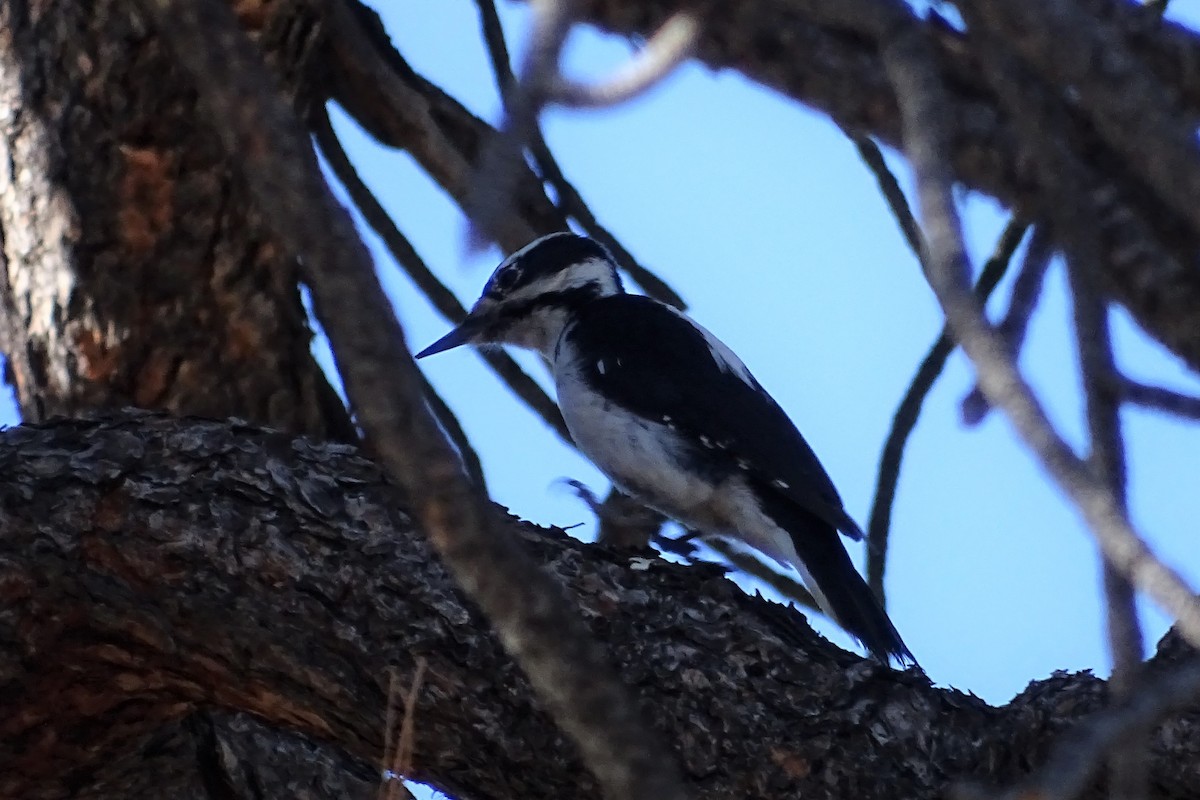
point(464, 333)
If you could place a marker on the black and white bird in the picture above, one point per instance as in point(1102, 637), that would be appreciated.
point(676, 420)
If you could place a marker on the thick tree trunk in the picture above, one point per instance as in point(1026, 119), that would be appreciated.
point(165, 582)
point(135, 272)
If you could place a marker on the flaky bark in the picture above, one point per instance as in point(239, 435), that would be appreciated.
point(136, 272)
point(160, 574)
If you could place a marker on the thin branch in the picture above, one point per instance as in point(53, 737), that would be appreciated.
point(669, 47)
point(570, 202)
point(444, 300)
point(492, 187)
point(454, 430)
point(871, 155)
point(406, 743)
point(1026, 291)
point(1040, 117)
point(924, 112)
point(1167, 400)
point(1128, 772)
point(540, 83)
point(389, 726)
point(536, 622)
point(909, 410)
point(372, 82)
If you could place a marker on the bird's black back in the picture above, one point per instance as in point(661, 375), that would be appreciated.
point(660, 365)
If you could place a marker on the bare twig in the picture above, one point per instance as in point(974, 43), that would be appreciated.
point(397, 751)
point(924, 111)
point(669, 47)
point(389, 725)
point(541, 82)
point(869, 152)
point(1026, 291)
point(454, 429)
point(444, 300)
point(1040, 120)
point(502, 157)
point(534, 619)
point(905, 418)
point(402, 763)
point(570, 202)
point(1172, 402)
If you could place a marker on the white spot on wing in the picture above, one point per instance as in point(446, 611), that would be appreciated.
point(726, 359)
point(600, 366)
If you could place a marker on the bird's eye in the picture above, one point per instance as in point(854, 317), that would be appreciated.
point(504, 281)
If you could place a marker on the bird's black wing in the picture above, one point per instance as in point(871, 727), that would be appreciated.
point(658, 363)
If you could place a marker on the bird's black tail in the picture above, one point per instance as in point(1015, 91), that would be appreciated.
point(836, 584)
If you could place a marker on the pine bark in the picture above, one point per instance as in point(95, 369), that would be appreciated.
point(135, 270)
point(170, 583)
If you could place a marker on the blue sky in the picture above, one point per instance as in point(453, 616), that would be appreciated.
point(760, 214)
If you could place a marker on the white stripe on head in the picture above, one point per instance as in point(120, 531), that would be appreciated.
point(596, 271)
point(553, 263)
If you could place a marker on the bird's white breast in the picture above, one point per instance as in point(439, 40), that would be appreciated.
point(643, 457)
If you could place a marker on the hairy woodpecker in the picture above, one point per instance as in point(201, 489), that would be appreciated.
point(675, 419)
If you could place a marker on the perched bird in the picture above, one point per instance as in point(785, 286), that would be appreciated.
point(675, 419)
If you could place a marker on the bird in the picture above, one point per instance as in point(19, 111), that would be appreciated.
point(676, 420)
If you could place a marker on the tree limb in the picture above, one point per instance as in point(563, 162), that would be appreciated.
point(155, 568)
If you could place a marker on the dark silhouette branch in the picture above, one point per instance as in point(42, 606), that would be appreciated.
point(444, 300)
point(889, 187)
point(923, 102)
point(1142, 394)
point(569, 202)
point(887, 478)
point(1026, 291)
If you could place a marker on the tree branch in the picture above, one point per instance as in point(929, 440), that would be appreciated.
point(570, 202)
point(923, 104)
point(905, 419)
point(154, 568)
point(536, 622)
point(439, 295)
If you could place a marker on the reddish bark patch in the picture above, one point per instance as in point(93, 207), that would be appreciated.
point(146, 198)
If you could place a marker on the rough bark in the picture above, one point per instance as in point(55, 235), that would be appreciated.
point(165, 580)
point(135, 270)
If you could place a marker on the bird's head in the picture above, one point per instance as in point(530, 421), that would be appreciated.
point(531, 296)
